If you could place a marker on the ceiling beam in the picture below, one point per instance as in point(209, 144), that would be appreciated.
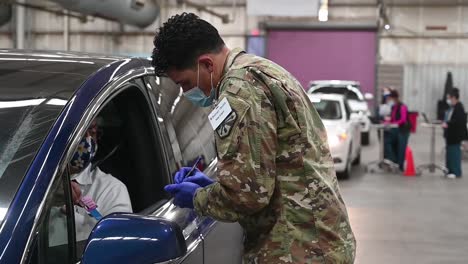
point(390, 4)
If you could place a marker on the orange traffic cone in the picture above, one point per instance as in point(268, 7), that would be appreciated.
point(410, 170)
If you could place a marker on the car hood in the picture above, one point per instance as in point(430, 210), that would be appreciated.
point(358, 105)
point(334, 126)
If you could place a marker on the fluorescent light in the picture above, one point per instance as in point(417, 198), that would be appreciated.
point(46, 60)
point(3, 212)
point(20, 103)
point(323, 15)
point(56, 101)
point(387, 27)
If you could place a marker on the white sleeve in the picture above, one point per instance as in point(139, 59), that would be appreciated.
point(114, 198)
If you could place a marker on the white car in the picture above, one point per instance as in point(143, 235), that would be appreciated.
point(356, 100)
point(343, 131)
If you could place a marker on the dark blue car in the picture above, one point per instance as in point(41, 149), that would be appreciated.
point(47, 102)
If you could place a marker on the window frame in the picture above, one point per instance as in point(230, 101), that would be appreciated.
point(174, 142)
point(347, 109)
point(169, 139)
point(64, 180)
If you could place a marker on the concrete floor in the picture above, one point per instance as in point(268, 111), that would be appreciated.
point(412, 220)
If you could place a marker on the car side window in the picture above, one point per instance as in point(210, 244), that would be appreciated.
point(118, 165)
point(54, 239)
point(350, 95)
point(189, 132)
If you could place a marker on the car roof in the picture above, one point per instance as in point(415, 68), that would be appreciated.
point(337, 83)
point(46, 74)
point(334, 97)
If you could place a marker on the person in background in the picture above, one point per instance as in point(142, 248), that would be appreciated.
point(397, 139)
point(386, 91)
point(384, 107)
point(454, 132)
point(384, 110)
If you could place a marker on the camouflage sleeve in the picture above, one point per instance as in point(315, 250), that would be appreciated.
point(246, 144)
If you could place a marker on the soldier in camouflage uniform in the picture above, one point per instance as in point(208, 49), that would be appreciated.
point(275, 172)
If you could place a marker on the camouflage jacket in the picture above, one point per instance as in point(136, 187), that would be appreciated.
point(275, 171)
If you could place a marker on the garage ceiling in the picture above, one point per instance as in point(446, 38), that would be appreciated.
point(398, 2)
point(426, 2)
point(345, 2)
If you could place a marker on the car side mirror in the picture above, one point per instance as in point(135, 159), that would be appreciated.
point(129, 238)
point(368, 96)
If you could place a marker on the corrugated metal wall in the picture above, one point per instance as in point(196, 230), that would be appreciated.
point(424, 85)
point(390, 75)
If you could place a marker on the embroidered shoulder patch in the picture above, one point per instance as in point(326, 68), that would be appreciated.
point(227, 125)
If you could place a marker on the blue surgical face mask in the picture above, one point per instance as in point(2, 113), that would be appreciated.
point(197, 96)
point(391, 103)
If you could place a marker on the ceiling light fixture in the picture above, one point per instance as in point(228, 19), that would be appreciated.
point(323, 11)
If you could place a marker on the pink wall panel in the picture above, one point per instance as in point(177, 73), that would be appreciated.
point(325, 55)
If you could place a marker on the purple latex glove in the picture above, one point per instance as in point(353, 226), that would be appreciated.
point(183, 193)
point(196, 177)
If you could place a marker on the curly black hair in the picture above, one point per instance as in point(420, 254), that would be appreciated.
point(181, 40)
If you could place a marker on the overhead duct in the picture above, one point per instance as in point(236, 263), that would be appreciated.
point(141, 13)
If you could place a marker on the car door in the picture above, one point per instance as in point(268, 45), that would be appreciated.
point(53, 239)
point(190, 136)
point(132, 151)
point(163, 206)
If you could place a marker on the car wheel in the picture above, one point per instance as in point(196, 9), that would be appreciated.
point(365, 140)
point(357, 160)
point(347, 172)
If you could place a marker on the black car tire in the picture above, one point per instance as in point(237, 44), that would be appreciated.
point(344, 175)
point(365, 140)
point(357, 160)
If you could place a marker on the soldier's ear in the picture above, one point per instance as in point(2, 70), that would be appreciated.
point(207, 62)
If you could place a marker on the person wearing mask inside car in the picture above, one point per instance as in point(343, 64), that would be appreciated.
point(275, 174)
point(91, 188)
point(396, 139)
point(454, 132)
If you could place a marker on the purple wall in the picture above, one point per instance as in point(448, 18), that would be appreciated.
point(326, 55)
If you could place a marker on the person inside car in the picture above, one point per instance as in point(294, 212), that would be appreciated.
point(94, 193)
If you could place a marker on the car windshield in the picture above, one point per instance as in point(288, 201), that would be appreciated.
point(348, 93)
point(33, 92)
point(25, 124)
point(328, 109)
